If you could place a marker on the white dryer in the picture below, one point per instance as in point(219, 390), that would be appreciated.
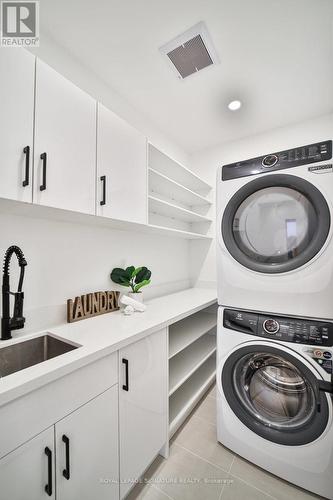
point(274, 406)
point(274, 232)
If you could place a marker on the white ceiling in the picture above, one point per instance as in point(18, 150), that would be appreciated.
point(275, 55)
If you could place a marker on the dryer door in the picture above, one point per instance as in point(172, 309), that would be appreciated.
point(276, 223)
point(275, 395)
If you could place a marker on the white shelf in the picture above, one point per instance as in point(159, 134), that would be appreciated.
point(174, 170)
point(182, 366)
point(57, 214)
point(168, 231)
point(163, 185)
point(183, 401)
point(167, 209)
point(190, 329)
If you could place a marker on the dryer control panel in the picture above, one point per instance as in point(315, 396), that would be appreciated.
point(301, 331)
point(303, 155)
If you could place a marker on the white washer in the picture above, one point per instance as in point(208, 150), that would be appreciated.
point(274, 232)
point(274, 402)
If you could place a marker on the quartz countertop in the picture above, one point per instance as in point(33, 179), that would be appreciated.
point(100, 336)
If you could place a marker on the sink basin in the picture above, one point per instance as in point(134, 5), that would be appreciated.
point(31, 352)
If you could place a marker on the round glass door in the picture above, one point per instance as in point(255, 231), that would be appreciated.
point(276, 223)
point(275, 395)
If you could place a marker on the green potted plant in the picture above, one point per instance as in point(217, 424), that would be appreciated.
point(133, 277)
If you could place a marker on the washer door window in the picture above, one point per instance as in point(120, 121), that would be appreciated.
point(276, 223)
point(275, 395)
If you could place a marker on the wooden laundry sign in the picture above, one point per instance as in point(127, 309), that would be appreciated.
point(92, 304)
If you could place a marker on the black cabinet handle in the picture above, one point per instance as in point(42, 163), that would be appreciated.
point(103, 180)
point(48, 487)
point(126, 385)
point(66, 471)
point(43, 157)
point(26, 151)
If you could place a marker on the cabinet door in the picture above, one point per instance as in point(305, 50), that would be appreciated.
point(142, 405)
point(17, 70)
point(26, 472)
point(89, 437)
point(121, 162)
point(65, 130)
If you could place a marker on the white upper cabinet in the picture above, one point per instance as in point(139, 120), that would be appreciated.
point(143, 399)
point(121, 169)
point(17, 70)
point(65, 143)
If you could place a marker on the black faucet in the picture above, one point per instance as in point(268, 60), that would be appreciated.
point(17, 321)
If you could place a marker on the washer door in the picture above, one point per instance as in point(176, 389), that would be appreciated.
point(276, 223)
point(275, 395)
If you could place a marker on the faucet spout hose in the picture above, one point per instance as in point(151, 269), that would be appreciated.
point(18, 320)
point(8, 255)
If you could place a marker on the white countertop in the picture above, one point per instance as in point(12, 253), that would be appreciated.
point(100, 336)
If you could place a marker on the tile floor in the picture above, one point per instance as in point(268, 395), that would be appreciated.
point(211, 471)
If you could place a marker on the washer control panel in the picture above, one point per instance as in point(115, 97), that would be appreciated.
point(301, 331)
point(303, 155)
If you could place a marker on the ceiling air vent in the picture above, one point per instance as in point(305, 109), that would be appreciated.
point(190, 52)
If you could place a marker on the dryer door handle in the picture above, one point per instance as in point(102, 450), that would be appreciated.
point(322, 386)
point(325, 386)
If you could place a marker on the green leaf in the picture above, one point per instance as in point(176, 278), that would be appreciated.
point(129, 271)
point(143, 274)
point(120, 276)
point(141, 284)
point(136, 271)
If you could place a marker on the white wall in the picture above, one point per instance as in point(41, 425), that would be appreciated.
point(67, 259)
point(206, 162)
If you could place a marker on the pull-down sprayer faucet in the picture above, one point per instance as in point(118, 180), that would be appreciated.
point(17, 321)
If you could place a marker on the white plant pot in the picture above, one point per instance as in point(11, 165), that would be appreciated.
point(138, 296)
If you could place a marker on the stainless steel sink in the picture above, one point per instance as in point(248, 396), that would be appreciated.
point(31, 352)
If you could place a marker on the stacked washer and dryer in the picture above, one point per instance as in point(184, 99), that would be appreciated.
point(275, 327)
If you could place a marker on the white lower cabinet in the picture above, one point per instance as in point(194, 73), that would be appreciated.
point(77, 458)
point(87, 451)
point(142, 406)
point(92, 448)
point(27, 473)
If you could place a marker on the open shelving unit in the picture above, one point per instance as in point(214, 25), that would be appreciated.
point(182, 402)
point(190, 329)
point(192, 360)
point(177, 198)
point(188, 361)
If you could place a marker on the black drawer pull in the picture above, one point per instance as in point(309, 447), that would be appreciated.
point(43, 157)
point(48, 487)
point(26, 151)
point(103, 180)
point(126, 385)
point(66, 471)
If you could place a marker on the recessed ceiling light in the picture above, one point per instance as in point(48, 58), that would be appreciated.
point(234, 105)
